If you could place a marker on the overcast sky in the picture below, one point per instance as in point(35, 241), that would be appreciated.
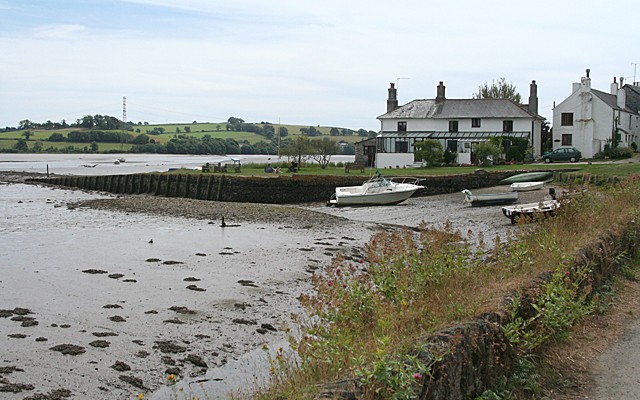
point(322, 62)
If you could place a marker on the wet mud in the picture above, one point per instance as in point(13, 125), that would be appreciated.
point(117, 294)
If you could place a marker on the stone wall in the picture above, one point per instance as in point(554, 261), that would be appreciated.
point(278, 189)
point(475, 355)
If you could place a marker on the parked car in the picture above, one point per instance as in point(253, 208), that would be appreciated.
point(563, 154)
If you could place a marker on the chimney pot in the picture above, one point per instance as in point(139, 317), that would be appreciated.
point(588, 71)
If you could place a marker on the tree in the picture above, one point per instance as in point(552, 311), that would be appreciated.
point(27, 134)
point(334, 132)
point(299, 147)
point(94, 147)
point(430, 151)
point(21, 145)
point(187, 129)
point(323, 149)
point(498, 90)
point(56, 137)
point(488, 153)
point(284, 132)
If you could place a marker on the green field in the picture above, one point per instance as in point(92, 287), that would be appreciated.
point(215, 130)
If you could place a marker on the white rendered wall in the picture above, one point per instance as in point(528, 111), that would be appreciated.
point(464, 124)
point(394, 160)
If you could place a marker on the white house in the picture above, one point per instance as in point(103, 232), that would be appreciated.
point(458, 124)
point(589, 118)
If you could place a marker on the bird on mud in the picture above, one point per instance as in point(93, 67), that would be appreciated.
point(150, 241)
point(222, 224)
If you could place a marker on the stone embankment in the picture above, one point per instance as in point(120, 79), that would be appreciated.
point(280, 189)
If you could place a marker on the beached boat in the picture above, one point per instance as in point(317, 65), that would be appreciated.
point(489, 199)
point(376, 191)
point(529, 210)
point(528, 177)
point(526, 186)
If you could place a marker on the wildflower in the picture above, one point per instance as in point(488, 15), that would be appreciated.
point(171, 377)
point(417, 376)
point(338, 270)
point(329, 283)
point(567, 273)
point(140, 396)
point(361, 261)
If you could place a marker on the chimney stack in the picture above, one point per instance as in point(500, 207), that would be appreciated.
point(533, 98)
point(392, 101)
point(614, 87)
point(440, 92)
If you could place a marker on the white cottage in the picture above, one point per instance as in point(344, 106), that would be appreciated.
point(458, 124)
point(589, 118)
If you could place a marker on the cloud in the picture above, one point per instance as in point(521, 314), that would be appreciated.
point(62, 31)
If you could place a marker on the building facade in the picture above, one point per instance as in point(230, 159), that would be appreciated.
point(589, 119)
point(459, 124)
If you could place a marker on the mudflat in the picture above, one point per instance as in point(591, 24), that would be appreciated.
point(108, 297)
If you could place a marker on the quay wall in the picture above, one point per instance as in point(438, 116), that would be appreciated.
point(278, 189)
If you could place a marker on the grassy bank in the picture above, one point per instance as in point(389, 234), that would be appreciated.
point(603, 170)
point(367, 316)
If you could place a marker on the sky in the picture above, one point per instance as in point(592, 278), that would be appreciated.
point(326, 63)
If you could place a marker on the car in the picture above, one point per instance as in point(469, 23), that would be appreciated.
point(563, 154)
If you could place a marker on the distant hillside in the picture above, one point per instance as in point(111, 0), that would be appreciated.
point(264, 136)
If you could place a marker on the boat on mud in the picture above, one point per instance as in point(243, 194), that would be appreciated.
point(528, 177)
point(376, 191)
point(526, 186)
point(489, 199)
point(530, 210)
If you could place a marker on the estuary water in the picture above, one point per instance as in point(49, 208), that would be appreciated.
point(105, 164)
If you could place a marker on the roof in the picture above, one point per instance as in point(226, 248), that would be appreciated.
point(611, 100)
point(633, 97)
point(459, 108)
point(454, 135)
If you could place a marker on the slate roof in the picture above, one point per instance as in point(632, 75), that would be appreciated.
point(611, 100)
point(459, 108)
point(633, 97)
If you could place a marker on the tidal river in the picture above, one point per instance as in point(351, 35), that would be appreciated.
point(107, 304)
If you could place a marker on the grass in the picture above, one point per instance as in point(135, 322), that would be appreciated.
point(367, 315)
point(215, 130)
point(604, 170)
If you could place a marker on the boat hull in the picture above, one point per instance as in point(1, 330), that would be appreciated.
point(377, 191)
point(489, 199)
point(529, 210)
point(526, 186)
point(527, 177)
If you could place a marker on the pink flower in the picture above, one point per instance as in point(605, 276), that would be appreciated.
point(361, 261)
point(417, 376)
point(329, 283)
point(338, 270)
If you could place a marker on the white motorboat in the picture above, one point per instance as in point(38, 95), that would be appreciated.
point(526, 186)
point(489, 199)
point(376, 191)
point(545, 207)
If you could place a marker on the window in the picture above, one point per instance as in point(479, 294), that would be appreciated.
point(507, 126)
point(566, 140)
point(453, 126)
point(475, 122)
point(402, 147)
point(566, 119)
point(402, 126)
